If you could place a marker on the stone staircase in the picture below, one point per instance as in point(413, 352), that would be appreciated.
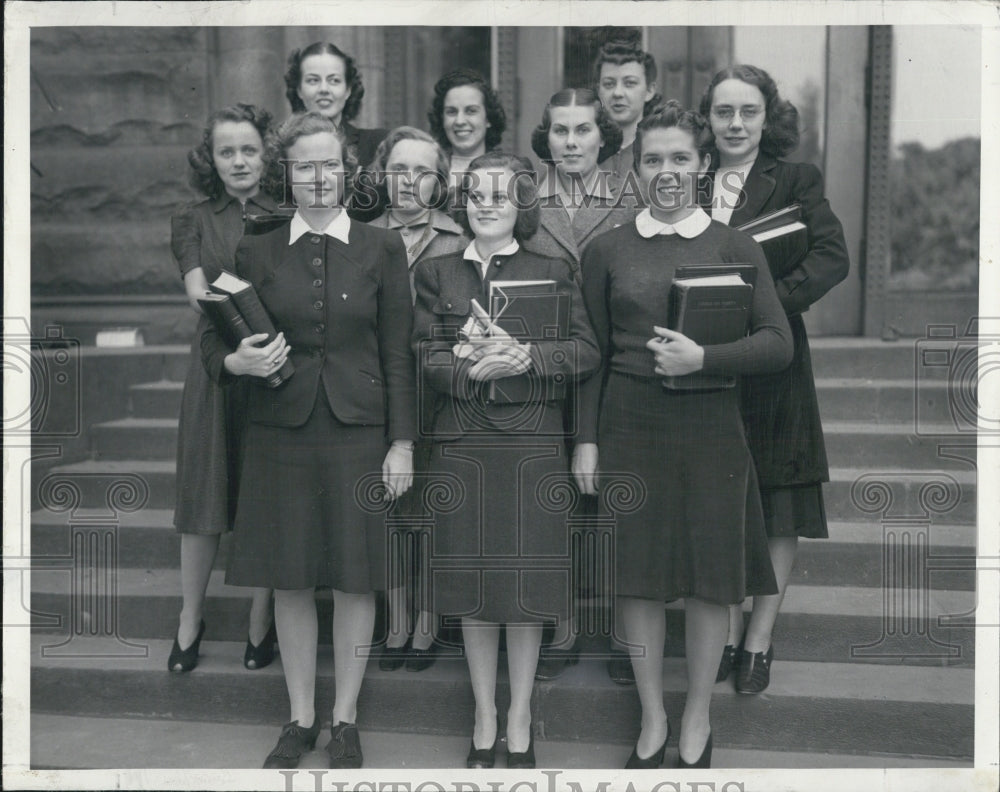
point(874, 648)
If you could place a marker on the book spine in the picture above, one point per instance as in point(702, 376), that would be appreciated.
point(258, 321)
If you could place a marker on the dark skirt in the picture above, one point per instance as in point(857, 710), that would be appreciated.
point(309, 509)
point(500, 542)
point(677, 478)
point(209, 442)
point(795, 511)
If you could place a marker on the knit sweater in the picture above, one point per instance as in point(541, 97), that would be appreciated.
point(626, 288)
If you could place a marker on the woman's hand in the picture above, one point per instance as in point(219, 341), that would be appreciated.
point(258, 361)
point(584, 467)
point(397, 469)
point(675, 353)
point(195, 284)
point(498, 360)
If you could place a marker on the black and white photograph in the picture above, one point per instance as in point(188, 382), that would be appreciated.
point(473, 395)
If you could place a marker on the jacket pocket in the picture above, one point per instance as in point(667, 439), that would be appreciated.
point(452, 306)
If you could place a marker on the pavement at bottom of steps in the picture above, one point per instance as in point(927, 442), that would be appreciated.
point(62, 742)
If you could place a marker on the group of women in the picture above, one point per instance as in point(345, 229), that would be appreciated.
point(393, 363)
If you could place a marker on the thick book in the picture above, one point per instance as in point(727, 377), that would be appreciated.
point(776, 224)
point(712, 309)
point(257, 224)
point(243, 316)
point(530, 311)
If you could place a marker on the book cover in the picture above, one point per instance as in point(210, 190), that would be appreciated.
point(256, 224)
point(788, 215)
point(248, 304)
point(709, 310)
point(226, 317)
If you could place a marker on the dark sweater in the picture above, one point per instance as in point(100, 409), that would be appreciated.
point(626, 288)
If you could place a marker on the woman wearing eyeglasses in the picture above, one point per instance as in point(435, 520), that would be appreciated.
point(752, 127)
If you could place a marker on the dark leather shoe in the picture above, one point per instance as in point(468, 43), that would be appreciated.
point(183, 660)
point(293, 742)
point(421, 659)
point(524, 760)
point(727, 663)
point(651, 762)
point(754, 674)
point(703, 761)
point(393, 658)
point(481, 758)
point(344, 747)
point(262, 655)
point(553, 662)
point(620, 668)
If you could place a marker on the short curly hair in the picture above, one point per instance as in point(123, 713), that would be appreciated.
point(611, 133)
point(442, 167)
point(293, 78)
point(296, 126)
point(203, 175)
point(618, 52)
point(525, 192)
point(672, 114)
point(781, 119)
point(495, 114)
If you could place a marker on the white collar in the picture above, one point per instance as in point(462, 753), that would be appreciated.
point(690, 227)
point(471, 254)
point(338, 228)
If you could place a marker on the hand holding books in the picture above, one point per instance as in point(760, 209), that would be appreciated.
point(675, 353)
point(496, 352)
point(258, 361)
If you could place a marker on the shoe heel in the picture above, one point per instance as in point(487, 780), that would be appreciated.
point(183, 660)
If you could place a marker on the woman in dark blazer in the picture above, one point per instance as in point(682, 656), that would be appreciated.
point(579, 199)
point(752, 127)
point(502, 459)
point(339, 293)
point(322, 78)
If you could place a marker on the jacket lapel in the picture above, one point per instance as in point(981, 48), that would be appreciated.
point(757, 189)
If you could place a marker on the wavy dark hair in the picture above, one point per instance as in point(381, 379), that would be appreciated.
point(618, 52)
point(495, 114)
point(780, 135)
point(300, 125)
point(525, 192)
point(293, 78)
point(672, 114)
point(442, 166)
point(577, 97)
point(203, 175)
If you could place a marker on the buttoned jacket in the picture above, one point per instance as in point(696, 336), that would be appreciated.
point(444, 236)
point(346, 313)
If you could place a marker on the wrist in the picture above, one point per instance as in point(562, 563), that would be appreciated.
point(403, 445)
point(231, 364)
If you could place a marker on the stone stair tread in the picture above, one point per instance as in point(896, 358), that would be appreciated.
point(878, 382)
point(113, 466)
point(163, 384)
point(133, 422)
point(860, 681)
point(841, 600)
point(154, 519)
point(849, 474)
point(60, 741)
point(895, 428)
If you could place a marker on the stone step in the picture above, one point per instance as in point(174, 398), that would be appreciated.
point(865, 708)
point(819, 623)
point(135, 438)
point(884, 400)
point(161, 399)
point(906, 359)
point(66, 741)
point(895, 445)
point(855, 554)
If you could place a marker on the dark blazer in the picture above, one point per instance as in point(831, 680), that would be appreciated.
point(445, 285)
point(345, 311)
point(363, 206)
point(781, 410)
point(560, 237)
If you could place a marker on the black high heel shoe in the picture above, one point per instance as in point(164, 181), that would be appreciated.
point(482, 758)
point(262, 655)
point(728, 662)
point(523, 760)
point(394, 657)
point(650, 762)
point(183, 660)
point(703, 761)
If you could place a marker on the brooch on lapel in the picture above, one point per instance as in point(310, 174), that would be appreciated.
point(343, 296)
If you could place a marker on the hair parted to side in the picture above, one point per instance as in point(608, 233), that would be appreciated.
point(495, 115)
point(442, 167)
point(295, 127)
point(618, 52)
point(525, 196)
point(780, 135)
point(293, 78)
point(672, 114)
point(611, 133)
point(203, 175)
